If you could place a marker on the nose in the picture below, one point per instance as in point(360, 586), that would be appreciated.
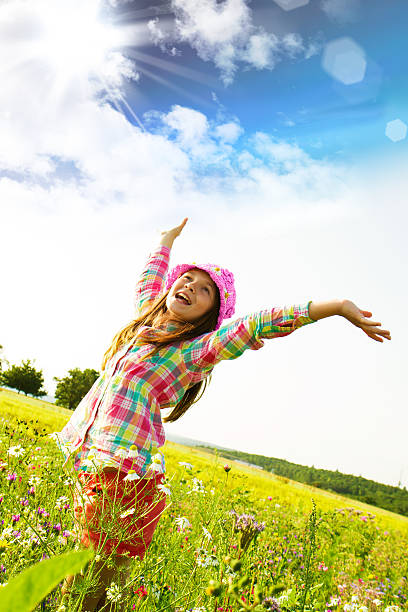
point(189, 285)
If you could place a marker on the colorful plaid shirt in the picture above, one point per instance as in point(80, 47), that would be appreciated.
point(123, 408)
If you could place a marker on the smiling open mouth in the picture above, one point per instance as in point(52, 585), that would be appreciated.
point(182, 298)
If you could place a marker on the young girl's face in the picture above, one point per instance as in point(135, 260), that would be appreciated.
point(192, 295)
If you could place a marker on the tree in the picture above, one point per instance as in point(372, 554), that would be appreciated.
point(24, 378)
point(72, 388)
point(3, 361)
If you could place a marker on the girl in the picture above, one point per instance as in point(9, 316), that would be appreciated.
point(161, 359)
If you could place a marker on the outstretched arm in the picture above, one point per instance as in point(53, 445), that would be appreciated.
point(230, 341)
point(348, 310)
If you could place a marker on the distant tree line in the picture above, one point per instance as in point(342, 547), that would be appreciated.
point(28, 380)
point(356, 487)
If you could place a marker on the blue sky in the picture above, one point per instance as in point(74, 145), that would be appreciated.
point(243, 117)
point(296, 100)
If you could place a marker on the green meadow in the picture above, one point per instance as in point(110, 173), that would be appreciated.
point(233, 537)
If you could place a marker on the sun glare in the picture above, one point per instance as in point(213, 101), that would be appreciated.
point(74, 41)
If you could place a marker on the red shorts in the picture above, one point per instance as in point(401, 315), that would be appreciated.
point(131, 509)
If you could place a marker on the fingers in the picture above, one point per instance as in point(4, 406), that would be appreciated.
point(377, 333)
point(370, 322)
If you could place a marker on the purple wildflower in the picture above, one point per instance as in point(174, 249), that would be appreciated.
point(16, 534)
point(270, 603)
point(1, 498)
point(66, 533)
point(15, 518)
point(11, 477)
point(57, 527)
point(24, 502)
point(2, 568)
point(31, 491)
point(247, 526)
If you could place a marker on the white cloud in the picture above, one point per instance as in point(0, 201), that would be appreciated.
point(228, 132)
point(261, 50)
point(215, 31)
point(223, 33)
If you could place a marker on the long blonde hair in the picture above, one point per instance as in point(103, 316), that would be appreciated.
point(156, 316)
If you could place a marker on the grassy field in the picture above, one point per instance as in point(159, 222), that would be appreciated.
point(345, 556)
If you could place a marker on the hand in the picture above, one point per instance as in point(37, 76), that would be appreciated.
point(169, 236)
point(359, 318)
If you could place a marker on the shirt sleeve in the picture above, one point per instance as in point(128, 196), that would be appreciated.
point(229, 342)
point(152, 280)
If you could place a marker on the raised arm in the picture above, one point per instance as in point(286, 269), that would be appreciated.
point(151, 282)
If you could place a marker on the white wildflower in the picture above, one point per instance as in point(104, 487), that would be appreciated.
point(16, 451)
point(157, 458)
point(132, 475)
point(155, 591)
point(188, 466)
point(164, 489)
point(3, 584)
point(61, 608)
point(204, 559)
point(121, 453)
point(68, 482)
point(198, 486)
point(61, 501)
point(277, 506)
point(62, 540)
point(133, 452)
point(207, 534)
point(127, 513)
point(354, 599)
point(113, 593)
point(7, 533)
point(377, 602)
point(156, 464)
point(34, 480)
point(155, 467)
point(182, 522)
point(284, 598)
point(334, 601)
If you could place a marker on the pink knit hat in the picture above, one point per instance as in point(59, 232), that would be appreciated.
point(223, 278)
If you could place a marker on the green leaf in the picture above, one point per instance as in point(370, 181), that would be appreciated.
point(30, 587)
